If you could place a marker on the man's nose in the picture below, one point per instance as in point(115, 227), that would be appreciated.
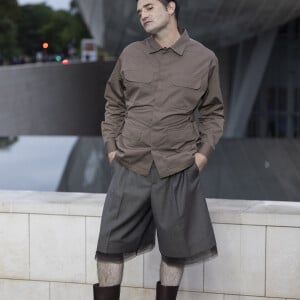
point(144, 16)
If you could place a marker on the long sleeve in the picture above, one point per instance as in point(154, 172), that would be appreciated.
point(115, 109)
point(211, 112)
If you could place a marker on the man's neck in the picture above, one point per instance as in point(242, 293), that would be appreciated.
point(167, 37)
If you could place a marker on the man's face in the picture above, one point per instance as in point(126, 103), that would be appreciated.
point(153, 15)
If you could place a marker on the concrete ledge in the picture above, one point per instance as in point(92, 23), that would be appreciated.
point(225, 211)
point(48, 241)
point(52, 203)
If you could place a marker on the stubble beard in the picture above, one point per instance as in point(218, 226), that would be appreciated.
point(155, 29)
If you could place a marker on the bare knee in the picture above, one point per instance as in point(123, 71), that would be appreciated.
point(110, 273)
point(171, 274)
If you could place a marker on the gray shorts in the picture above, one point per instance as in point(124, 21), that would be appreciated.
point(137, 206)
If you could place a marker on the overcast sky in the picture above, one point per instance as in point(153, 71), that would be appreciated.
point(56, 4)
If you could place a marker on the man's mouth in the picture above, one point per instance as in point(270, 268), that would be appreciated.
point(146, 23)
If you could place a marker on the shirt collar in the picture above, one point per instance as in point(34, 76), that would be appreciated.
point(178, 47)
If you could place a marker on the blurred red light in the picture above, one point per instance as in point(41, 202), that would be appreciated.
point(65, 61)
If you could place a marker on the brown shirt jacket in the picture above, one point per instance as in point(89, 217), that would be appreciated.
point(152, 95)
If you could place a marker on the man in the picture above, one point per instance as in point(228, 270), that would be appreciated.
point(157, 149)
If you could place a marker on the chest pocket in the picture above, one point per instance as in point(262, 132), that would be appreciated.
point(188, 90)
point(137, 76)
point(138, 87)
point(192, 83)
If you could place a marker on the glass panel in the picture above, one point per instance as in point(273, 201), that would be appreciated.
point(282, 100)
point(271, 99)
point(297, 126)
point(297, 100)
point(282, 126)
point(271, 131)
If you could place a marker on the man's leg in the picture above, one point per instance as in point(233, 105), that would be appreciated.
point(170, 278)
point(110, 277)
point(171, 274)
point(109, 273)
point(117, 224)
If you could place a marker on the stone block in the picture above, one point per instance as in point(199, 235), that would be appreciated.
point(23, 290)
point(57, 248)
point(14, 246)
point(283, 262)
point(74, 291)
point(239, 267)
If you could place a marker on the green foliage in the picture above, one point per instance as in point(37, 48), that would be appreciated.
point(8, 38)
point(24, 28)
point(9, 9)
point(33, 18)
point(9, 12)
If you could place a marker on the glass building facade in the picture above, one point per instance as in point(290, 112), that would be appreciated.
point(276, 113)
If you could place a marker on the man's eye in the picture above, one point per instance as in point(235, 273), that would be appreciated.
point(149, 8)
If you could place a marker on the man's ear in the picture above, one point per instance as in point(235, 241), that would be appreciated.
point(171, 7)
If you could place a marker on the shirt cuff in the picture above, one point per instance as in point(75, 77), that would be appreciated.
point(110, 146)
point(205, 149)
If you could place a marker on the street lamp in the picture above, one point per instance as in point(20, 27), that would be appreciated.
point(45, 47)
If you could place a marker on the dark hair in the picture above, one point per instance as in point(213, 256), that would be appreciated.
point(165, 3)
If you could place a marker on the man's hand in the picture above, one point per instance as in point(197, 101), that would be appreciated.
point(200, 160)
point(111, 156)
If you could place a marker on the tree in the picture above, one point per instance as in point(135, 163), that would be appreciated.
point(33, 19)
point(9, 9)
point(9, 13)
point(8, 39)
point(23, 29)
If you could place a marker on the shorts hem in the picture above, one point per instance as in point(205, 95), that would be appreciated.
point(122, 256)
point(200, 257)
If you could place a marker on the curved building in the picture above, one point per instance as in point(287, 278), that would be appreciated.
point(256, 41)
point(216, 23)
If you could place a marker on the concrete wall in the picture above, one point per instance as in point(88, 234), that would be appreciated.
point(53, 99)
point(48, 242)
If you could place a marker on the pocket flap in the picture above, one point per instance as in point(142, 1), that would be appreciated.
point(138, 75)
point(188, 82)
